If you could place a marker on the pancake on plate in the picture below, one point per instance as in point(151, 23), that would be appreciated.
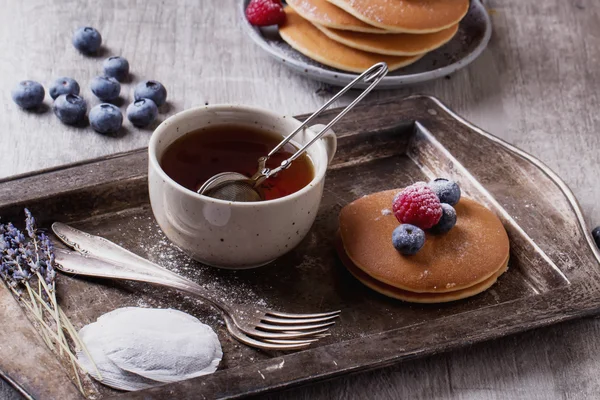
point(395, 44)
point(303, 36)
point(460, 263)
point(326, 14)
point(410, 16)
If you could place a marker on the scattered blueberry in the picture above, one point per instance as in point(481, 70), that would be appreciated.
point(106, 118)
point(28, 94)
point(70, 108)
point(152, 90)
point(87, 40)
point(63, 85)
point(446, 190)
point(447, 221)
point(408, 239)
point(116, 67)
point(142, 112)
point(596, 235)
point(105, 88)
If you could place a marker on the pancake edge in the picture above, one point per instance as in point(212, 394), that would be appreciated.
point(332, 35)
point(415, 297)
point(309, 54)
point(441, 290)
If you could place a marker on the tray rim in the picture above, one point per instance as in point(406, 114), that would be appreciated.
point(341, 78)
point(566, 190)
point(585, 296)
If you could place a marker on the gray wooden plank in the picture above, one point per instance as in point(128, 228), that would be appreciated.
point(536, 86)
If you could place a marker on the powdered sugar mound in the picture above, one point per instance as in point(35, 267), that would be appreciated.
point(386, 211)
point(424, 274)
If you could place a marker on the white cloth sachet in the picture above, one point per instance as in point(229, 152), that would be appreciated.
point(136, 348)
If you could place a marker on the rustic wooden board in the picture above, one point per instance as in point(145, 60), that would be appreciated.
point(553, 271)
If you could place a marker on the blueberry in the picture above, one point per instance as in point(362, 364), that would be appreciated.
point(106, 118)
point(408, 239)
point(116, 67)
point(70, 108)
point(447, 221)
point(446, 190)
point(63, 85)
point(105, 88)
point(142, 112)
point(596, 235)
point(87, 40)
point(152, 90)
point(28, 94)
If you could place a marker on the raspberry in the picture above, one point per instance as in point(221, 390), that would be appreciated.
point(265, 12)
point(417, 205)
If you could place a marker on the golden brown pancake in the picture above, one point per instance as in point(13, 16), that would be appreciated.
point(390, 291)
point(470, 253)
point(410, 16)
point(396, 44)
point(326, 14)
point(308, 40)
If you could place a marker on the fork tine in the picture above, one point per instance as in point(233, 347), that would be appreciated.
point(286, 335)
point(291, 342)
point(280, 328)
point(296, 321)
point(288, 315)
point(270, 346)
point(322, 335)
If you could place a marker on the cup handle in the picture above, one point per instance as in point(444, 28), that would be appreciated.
point(330, 140)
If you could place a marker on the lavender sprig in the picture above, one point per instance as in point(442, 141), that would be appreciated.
point(28, 260)
point(49, 272)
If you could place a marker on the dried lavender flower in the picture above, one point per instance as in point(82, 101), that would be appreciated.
point(30, 224)
point(47, 250)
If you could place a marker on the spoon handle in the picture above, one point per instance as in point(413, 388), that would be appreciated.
point(79, 264)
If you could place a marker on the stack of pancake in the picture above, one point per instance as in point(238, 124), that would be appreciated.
point(352, 35)
point(460, 263)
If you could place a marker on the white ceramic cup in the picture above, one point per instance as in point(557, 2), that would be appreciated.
point(226, 234)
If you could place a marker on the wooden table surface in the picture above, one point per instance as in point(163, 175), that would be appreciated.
point(536, 86)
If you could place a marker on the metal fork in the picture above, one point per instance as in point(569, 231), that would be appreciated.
point(255, 326)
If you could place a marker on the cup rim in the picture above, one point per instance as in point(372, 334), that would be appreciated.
point(152, 150)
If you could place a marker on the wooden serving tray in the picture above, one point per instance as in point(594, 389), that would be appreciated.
point(554, 269)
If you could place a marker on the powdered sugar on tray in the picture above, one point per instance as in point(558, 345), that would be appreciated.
point(158, 249)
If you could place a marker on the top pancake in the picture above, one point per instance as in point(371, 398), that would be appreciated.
point(326, 14)
point(473, 251)
point(411, 16)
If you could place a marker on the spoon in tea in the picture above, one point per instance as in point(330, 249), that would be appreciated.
point(233, 186)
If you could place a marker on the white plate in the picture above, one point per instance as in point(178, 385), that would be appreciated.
point(471, 39)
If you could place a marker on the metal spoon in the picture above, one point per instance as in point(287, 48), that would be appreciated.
point(232, 186)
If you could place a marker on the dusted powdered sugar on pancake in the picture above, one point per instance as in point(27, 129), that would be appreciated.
point(470, 253)
point(327, 14)
point(422, 16)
